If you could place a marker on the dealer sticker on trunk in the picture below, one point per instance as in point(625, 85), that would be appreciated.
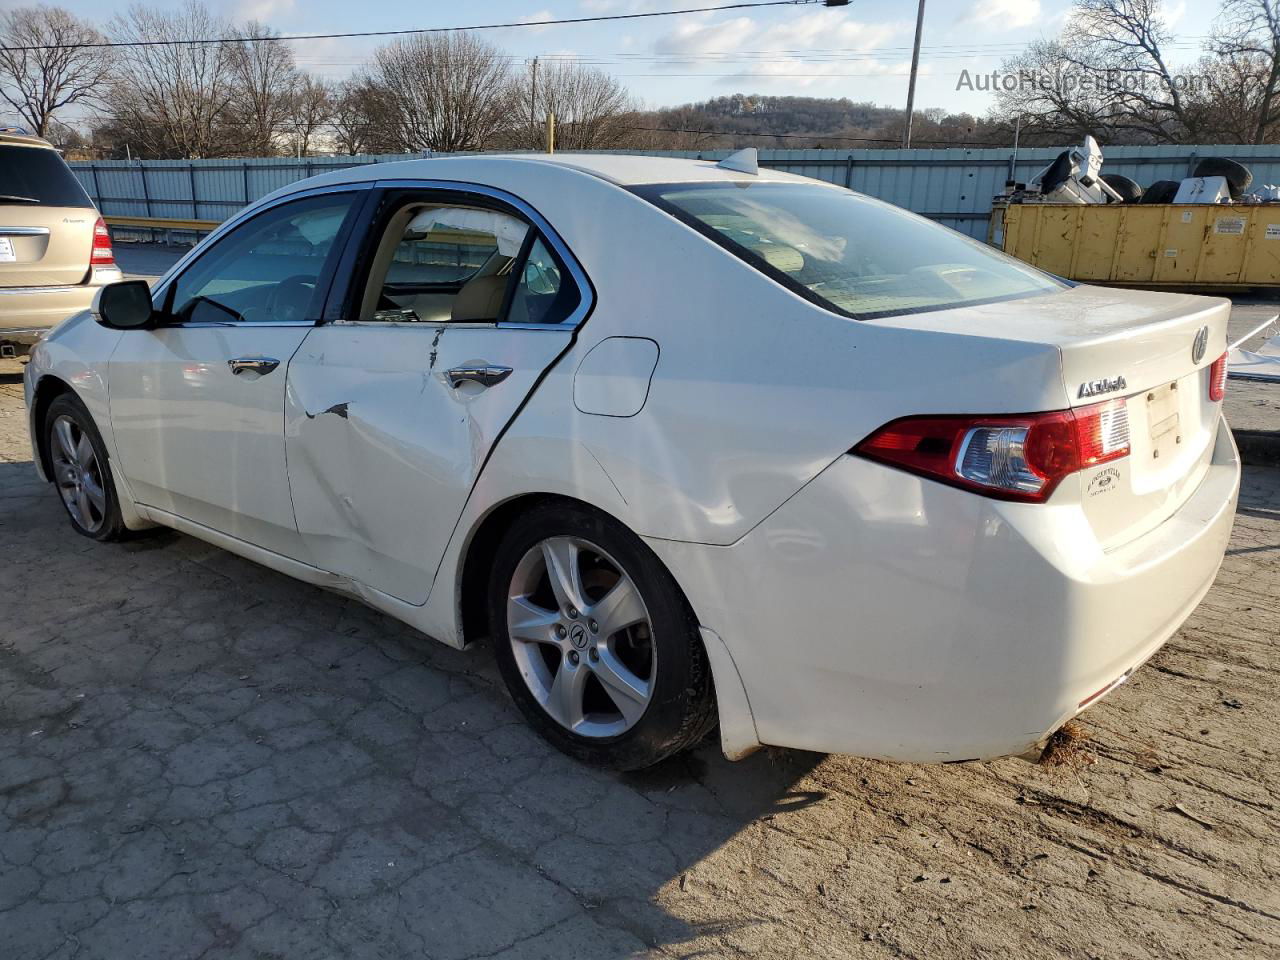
point(6, 250)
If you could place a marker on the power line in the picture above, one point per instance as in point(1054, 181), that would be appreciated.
point(411, 32)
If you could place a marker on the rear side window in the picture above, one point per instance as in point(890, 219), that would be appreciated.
point(441, 262)
point(543, 294)
point(35, 175)
point(849, 253)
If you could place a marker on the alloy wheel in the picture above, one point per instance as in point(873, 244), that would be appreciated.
point(582, 637)
point(78, 474)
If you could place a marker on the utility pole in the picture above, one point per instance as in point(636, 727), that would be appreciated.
point(911, 86)
point(533, 107)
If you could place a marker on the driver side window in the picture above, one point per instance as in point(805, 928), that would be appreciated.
point(267, 270)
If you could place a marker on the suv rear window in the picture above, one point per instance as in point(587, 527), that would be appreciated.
point(36, 174)
point(851, 254)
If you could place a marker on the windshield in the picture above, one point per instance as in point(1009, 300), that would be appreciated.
point(847, 252)
point(36, 174)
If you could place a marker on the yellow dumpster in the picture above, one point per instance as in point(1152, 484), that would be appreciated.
point(1145, 244)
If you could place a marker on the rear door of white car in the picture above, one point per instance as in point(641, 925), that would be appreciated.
point(440, 324)
point(197, 405)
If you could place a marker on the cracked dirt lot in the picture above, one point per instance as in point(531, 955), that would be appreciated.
point(201, 758)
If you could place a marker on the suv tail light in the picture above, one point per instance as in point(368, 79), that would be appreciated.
point(1218, 379)
point(103, 256)
point(1006, 457)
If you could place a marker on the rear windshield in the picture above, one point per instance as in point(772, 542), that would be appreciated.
point(35, 175)
point(852, 254)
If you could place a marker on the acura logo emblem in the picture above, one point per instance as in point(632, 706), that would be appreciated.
point(578, 636)
point(1200, 345)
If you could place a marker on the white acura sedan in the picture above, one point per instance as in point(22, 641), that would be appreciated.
point(689, 443)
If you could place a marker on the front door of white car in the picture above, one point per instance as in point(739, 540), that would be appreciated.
point(457, 305)
point(197, 405)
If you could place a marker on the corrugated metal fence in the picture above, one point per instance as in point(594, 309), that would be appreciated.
point(952, 186)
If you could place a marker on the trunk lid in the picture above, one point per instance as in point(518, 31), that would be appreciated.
point(46, 218)
point(45, 246)
point(1152, 352)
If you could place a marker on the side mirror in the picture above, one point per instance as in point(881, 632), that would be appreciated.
point(125, 306)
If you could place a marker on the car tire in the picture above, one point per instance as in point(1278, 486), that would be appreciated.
point(1237, 175)
point(1162, 191)
point(545, 635)
point(1128, 188)
point(1058, 172)
point(80, 470)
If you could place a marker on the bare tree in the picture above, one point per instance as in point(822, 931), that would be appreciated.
point(1124, 41)
point(1051, 100)
point(39, 83)
point(591, 107)
point(672, 128)
point(70, 141)
point(447, 92)
point(310, 108)
point(1246, 38)
point(266, 80)
point(348, 118)
point(1107, 75)
point(172, 100)
point(363, 118)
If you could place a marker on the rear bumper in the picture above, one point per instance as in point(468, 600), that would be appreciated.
point(880, 614)
point(28, 313)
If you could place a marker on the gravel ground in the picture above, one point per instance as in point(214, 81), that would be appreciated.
point(202, 758)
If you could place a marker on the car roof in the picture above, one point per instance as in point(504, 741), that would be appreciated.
point(14, 136)
point(621, 169)
point(634, 169)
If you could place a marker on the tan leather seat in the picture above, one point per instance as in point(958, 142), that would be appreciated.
point(479, 299)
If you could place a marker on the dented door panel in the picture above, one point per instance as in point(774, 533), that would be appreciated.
point(383, 449)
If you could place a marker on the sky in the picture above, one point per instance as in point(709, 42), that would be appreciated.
point(861, 51)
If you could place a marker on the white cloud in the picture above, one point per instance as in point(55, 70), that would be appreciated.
point(595, 7)
point(264, 11)
point(814, 49)
point(540, 17)
point(694, 38)
point(1002, 14)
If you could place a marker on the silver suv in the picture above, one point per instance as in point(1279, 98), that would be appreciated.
point(55, 251)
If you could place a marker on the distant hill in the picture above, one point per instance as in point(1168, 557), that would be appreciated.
point(755, 120)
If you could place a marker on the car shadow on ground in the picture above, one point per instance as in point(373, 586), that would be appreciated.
point(199, 752)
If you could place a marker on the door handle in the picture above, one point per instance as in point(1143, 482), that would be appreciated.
point(486, 376)
point(263, 365)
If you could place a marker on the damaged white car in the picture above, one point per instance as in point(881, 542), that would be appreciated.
point(691, 444)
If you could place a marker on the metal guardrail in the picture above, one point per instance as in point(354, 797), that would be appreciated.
point(164, 229)
point(161, 223)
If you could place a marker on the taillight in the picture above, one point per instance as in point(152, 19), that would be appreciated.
point(1008, 457)
point(102, 253)
point(1218, 379)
